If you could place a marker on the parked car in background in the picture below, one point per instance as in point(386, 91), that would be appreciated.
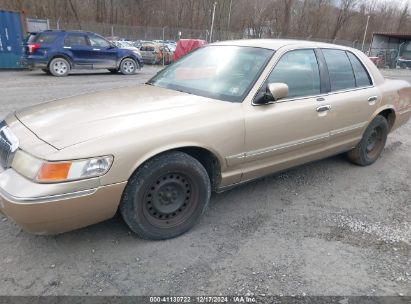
point(404, 57)
point(58, 52)
point(223, 115)
point(167, 54)
point(153, 53)
point(128, 45)
point(172, 47)
point(185, 46)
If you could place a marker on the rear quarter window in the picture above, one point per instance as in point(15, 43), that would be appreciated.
point(362, 78)
point(45, 38)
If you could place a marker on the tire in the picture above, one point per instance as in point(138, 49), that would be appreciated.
point(59, 67)
point(46, 71)
point(113, 71)
point(166, 196)
point(129, 66)
point(372, 143)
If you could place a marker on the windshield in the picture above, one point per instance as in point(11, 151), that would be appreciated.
point(220, 72)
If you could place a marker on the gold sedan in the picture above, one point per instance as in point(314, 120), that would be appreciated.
point(225, 114)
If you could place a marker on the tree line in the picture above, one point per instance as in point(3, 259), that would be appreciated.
point(324, 19)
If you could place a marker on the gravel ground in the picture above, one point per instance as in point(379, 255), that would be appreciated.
point(326, 228)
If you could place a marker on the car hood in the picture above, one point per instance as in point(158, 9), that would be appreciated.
point(66, 122)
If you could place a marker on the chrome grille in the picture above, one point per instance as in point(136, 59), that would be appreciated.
point(8, 145)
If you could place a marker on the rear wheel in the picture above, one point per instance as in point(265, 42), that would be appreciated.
point(59, 67)
point(166, 196)
point(129, 66)
point(372, 143)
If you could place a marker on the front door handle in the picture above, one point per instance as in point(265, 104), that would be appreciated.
point(96, 49)
point(324, 108)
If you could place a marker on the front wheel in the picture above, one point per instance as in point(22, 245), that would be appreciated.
point(129, 66)
point(166, 196)
point(59, 67)
point(372, 143)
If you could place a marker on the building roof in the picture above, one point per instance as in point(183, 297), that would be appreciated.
point(394, 35)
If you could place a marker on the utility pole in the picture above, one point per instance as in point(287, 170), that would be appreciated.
point(212, 22)
point(58, 23)
point(365, 33)
point(229, 19)
point(164, 59)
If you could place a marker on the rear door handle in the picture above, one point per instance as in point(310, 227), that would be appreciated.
point(324, 108)
point(67, 47)
point(96, 49)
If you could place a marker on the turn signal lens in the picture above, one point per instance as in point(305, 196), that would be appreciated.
point(54, 172)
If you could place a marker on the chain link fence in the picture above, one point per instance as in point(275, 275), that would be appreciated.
point(127, 32)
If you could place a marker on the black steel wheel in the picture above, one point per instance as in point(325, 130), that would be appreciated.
point(166, 196)
point(372, 143)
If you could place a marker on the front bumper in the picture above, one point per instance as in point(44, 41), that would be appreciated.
point(56, 213)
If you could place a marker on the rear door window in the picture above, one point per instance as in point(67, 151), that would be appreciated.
point(75, 39)
point(45, 38)
point(340, 70)
point(362, 78)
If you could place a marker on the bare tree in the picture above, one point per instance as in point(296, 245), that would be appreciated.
point(344, 14)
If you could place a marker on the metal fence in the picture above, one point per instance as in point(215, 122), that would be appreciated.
point(128, 32)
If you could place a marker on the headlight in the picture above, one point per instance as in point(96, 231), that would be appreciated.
point(54, 172)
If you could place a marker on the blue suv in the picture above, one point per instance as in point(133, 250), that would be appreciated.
point(58, 52)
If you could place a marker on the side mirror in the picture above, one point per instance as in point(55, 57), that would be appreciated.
point(278, 90)
point(272, 93)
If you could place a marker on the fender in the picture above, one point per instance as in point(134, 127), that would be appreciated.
point(63, 55)
point(176, 146)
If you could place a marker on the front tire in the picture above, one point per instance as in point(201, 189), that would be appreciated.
point(129, 66)
point(166, 196)
point(59, 67)
point(369, 149)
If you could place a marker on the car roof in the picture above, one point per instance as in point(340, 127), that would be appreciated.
point(64, 31)
point(275, 44)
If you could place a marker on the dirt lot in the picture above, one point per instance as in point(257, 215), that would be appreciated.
point(327, 228)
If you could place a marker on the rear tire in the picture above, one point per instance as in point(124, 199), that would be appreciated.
point(129, 66)
point(369, 149)
point(166, 196)
point(59, 67)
